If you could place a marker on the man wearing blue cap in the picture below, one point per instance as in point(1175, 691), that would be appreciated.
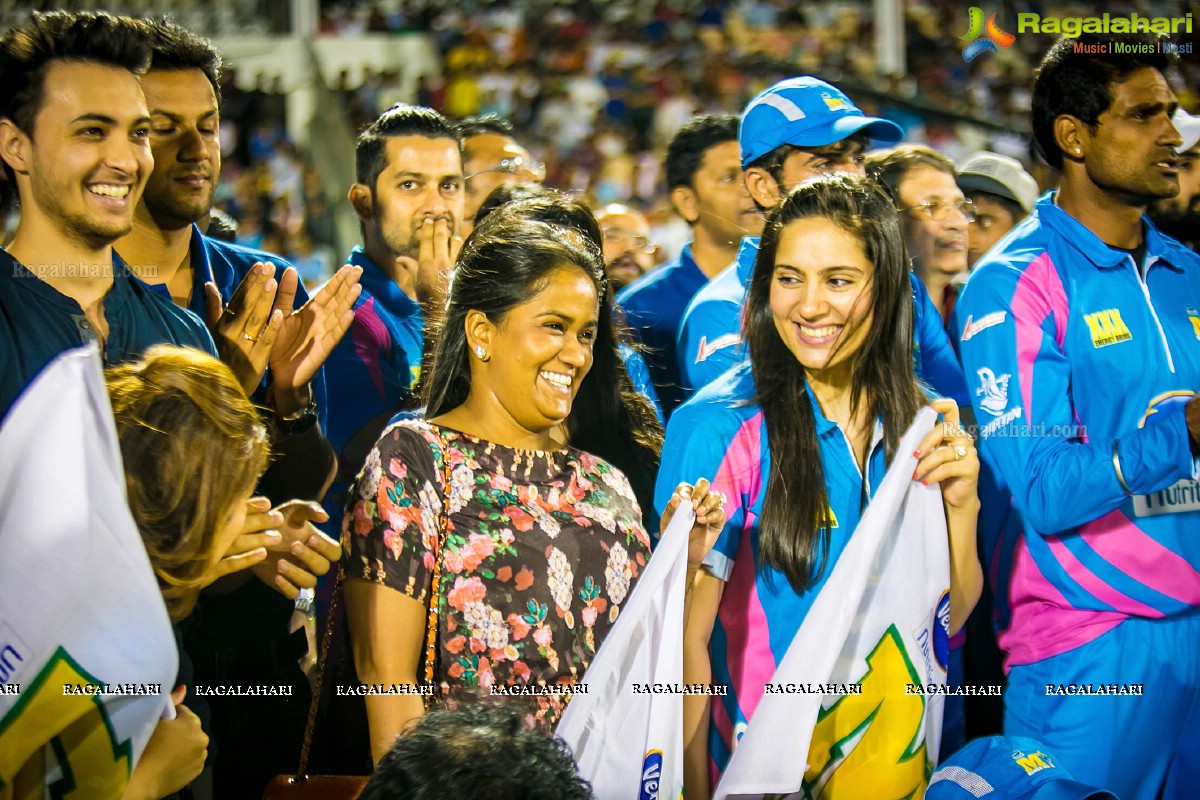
point(794, 130)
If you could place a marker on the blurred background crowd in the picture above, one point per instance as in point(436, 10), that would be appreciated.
point(593, 88)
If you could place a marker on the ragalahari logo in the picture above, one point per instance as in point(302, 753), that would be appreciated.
point(995, 36)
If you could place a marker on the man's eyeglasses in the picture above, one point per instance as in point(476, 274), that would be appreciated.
point(634, 241)
point(937, 210)
point(517, 165)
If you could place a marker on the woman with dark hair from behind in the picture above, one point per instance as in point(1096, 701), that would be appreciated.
point(542, 542)
point(824, 401)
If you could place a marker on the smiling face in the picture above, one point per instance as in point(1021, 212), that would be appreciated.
point(1130, 154)
point(87, 158)
point(540, 351)
point(184, 124)
point(820, 293)
point(936, 246)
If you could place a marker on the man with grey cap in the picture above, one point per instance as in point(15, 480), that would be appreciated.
point(1003, 194)
point(1179, 216)
point(797, 129)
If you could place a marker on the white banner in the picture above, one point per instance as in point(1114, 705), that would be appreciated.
point(87, 656)
point(626, 725)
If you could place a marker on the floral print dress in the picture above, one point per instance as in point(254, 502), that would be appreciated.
point(541, 550)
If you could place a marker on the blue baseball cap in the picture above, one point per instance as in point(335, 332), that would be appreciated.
point(805, 112)
point(1008, 767)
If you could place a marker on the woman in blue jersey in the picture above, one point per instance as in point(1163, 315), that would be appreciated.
point(798, 439)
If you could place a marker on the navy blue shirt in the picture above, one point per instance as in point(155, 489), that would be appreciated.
point(654, 306)
point(37, 322)
point(226, 265)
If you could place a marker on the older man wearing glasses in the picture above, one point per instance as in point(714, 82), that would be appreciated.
point(628, 252)
point(934, 215)
point(492, 158)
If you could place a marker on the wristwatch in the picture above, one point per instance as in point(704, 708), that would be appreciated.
point(306, 602)
point(300, 421)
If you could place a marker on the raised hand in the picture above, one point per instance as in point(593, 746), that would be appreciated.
point(308, 335)
point(948, 457)
point(709, 508)
point(245, 329)
point(438, 249)
point(306, 552)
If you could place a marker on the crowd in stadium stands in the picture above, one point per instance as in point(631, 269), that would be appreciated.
point(597, 89)
point(689, 261)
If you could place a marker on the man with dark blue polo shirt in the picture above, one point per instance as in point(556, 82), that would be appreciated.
point(248, 309)
point(74, 139)
point(409, 200)
point(704, 173)
point(241, 633)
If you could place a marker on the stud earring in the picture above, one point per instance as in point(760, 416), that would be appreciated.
point(480, 353)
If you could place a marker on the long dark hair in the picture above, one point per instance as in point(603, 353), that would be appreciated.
point(794, 526)
point(504, 262)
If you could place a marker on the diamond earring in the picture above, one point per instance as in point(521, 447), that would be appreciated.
point(480, 353)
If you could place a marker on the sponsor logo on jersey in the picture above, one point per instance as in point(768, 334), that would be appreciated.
point(1194, 318)
point(975, 326)
point(1032, 763)
point(994, 391)
point(941, 631)
point(707, 348)
point(1107, 327)
point(651, 775)
point(1175, 499)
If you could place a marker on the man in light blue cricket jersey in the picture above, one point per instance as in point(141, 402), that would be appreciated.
point(1083, 347)
point(792, 131)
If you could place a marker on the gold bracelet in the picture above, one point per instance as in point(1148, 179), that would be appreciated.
point(1116, 459)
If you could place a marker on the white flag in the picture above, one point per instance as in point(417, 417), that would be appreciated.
point(79, 604)
point(625, 722)
point(879, 627)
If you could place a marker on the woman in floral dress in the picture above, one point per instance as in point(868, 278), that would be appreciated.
point(543, 543)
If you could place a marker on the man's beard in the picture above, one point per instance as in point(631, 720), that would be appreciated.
point(1178, 223)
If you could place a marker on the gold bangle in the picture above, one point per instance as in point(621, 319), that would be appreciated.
point(1116, 459)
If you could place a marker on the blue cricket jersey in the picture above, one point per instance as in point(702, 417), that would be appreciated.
point(654, 306)
point(720, 435)
point(1081, 365)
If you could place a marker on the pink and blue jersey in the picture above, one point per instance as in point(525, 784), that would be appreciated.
point(370, 374)
point(1081, 365)
point(710, 334)
point(721, 435)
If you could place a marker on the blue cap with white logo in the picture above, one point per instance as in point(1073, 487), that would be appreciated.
point(805, 112)
point(1008, 768)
